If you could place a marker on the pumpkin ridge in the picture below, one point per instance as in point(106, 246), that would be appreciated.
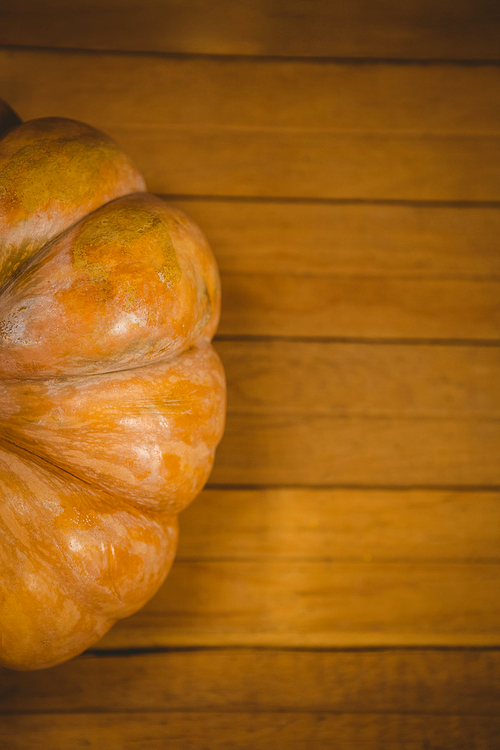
point(174, 408)
point(53, 172)
point(10, 445)
point(83, 562)
point(112, 305)
point(51, 467)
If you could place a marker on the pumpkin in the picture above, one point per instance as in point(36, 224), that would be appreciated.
point(112, 398)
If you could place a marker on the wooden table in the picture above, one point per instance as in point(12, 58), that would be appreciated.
point(337, 585)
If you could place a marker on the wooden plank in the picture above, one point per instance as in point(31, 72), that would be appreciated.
point(308, 413)
point(262, 449)
point(317, 604)
point(294, 524)
point(285, 305)
point(284, 164)
point(150, 92)
point(412, 241)
point(355, 28)
point(403, 269)
point(351, 414)
point(223, 141)
point(395, 681)
point(228, 731)
point(363, 379)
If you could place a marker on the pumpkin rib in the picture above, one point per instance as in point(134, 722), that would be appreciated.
point(49, 464)
point(46, 425)
point(53, 172)
point(95, 302)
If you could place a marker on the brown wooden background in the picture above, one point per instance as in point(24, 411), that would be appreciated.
point(337, 585)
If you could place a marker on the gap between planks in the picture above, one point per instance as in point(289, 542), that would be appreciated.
point(477, 62)
point(144, 639)
point(270, 339)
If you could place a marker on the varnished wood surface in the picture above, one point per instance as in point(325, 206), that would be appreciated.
point(318, 603)
point(350, 525)
point(361, 239)
point(425, 415)
point(279, 129)
point(258, 698)
point(344, 28)
point(329, 378)
point(247, 731)
point(318, 450)
point(385, 681)
point(283, 305)
point(337, 583)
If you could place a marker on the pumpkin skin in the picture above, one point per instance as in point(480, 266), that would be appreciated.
point(112, 399)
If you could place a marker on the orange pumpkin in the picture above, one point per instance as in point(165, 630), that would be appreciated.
point(112, 398)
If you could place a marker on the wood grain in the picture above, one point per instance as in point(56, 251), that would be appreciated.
point(315, 165)
point(262, 449)
point(317, 604)
point(150, 92)
point(325, 413)
point(311, 306)
point(312, 413)
point(362, 525)
point(353, 207)
point(228, 731)
point(393, 681)
point(410, 241)
point(355, 28)
point(396, 154)
point(361, 379)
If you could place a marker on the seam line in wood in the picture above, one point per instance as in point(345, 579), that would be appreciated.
point(308, 200)
point(364, 487)
point(378, 560)
point(341, 415)
point(334, 60)
point(229, 711)
point(251, 338)
point(140, 651)
point(339, 276)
